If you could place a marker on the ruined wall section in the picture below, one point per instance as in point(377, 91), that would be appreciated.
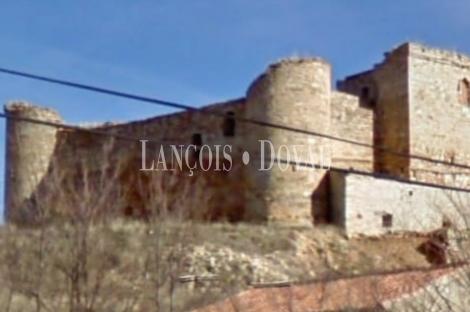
point(29, 148)
point(352, 122)
point(180, 129)
point(294, 93)
point(439, 116)
point(78, 152)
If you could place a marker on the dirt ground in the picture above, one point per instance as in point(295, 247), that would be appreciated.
point(123, 255)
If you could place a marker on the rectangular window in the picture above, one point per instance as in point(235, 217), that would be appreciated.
point(387, 220)
point(197, 139)
point(229, 125)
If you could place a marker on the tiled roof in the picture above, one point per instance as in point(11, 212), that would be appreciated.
point(361, 292)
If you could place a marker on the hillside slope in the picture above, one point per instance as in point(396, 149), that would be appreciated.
point(130, 266)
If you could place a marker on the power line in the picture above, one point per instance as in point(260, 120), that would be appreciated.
point(77, 128)
point(220, 114)
point(257, 156)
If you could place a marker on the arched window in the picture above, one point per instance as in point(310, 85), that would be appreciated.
point(229, 125)
point(464, 92)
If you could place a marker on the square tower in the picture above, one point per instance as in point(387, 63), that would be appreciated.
point(439, 113)
point(384, 90)
point(421, 101)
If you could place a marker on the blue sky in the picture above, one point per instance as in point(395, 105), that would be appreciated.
point(198, 51)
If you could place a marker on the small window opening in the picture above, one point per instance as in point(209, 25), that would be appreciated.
point(410, 193)
point(365, 93)
point(387, 220)
point(229, 125)
point(197, 141)
point(446, 223)
point(464, 92)
point(366, 97)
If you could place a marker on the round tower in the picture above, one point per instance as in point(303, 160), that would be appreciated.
point(293, 93)
point(29, 147)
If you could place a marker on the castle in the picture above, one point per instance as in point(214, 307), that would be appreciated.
point(415, 102)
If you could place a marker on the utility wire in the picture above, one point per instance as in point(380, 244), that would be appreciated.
point(79, 129)
point(258, 157)
point(220, 114)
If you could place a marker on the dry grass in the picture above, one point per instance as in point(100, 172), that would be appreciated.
point(91, 261)
point(118, 260)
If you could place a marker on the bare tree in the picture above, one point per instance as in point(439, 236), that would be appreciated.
point(80, 254)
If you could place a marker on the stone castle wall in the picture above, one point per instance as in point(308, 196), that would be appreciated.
point(439, 117)
point(391, 113)
point(384, 90)
point(409, 103)
point(29, 150)
point(294, 93)
point(70, 155)
point(419, 109)
point(350, 120)
point(394, 206)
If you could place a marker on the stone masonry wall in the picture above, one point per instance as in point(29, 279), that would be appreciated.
point(28, 152)
point(384, 90)
point(123, 158)
point(293, 93)
point(439, 121)
point(174, 129)
point(363, 86)
point(367, 202)
point(352, 122)
point(391, 114)
point(416, 101)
